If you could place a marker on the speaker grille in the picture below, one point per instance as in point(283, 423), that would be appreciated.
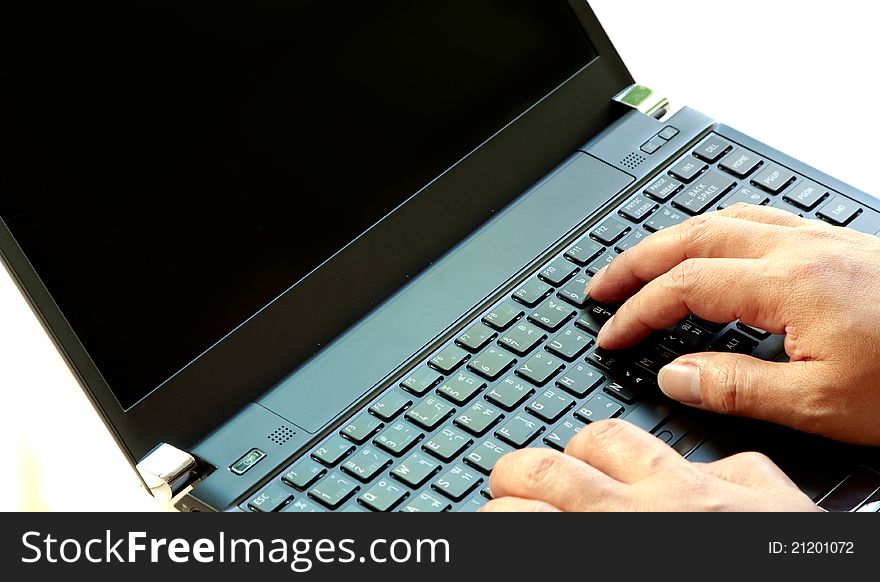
point(281, 435)
point(632, 161)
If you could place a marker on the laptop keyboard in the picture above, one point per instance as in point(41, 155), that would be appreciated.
point(526, 372)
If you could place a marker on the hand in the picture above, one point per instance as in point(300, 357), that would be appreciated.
point(818, 284)
point(612, 465)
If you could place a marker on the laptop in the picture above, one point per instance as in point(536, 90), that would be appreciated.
point(310, 259)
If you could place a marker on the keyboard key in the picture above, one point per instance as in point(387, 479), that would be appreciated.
point(706, 324)
point(630, 240)
point(447, 443)
point(521, 338)
point(580, 379)
point(745, 194)
point(704, 192)
point(602, 261)
point(540, 367)
point(383, 495)
point(733, 341)
point(806, 194)
point(652, 145)
point(550, 405)
point(362, 427)
point(366, 464)
point(668, 132)
point(460, 387)
point(425, 502)
point(519, 430)
point(303, 474)
point(473, 504)
point(532, 292)
point(595, 315)
point(741, 162)
point(655, 357)
point(502, 315)
point(429, 413)
point(773, 178)
point(570, 343)
point(551, 314)
point(353, 508)
point(753, 331)
point(333, 490)
point(638, 208)
point(629, 382)
point(302, 505)
point(484, 456)
point(562, 433)
point(712, 148)
point(557, 272)
point(584, 251)
point(477, 336)
point(783, 204)
point(688, 169)
point(448, 359)
point(840, 211)
point(664, 218)
point(610, 230)
point(575, 291)
point(491, 362)
point(457, 482)
point(478, 418)
point(272, 498)
point(397, 438)
point(610, 359)
point(509, 393)
point(663, 188)
point(415, 469)
point(686, 338)
point(421, 380)
point(390, 405)
point(333, 450)
point(598, 407)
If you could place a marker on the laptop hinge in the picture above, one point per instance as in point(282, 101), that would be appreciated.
point(167, 471)
point(644, 99)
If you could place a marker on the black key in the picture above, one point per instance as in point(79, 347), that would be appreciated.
point(478, 418)
point(840, 211)
point(421, 380)
point(551, 314)
point(575, 291)
point(303, 474)
point(712, 148)
point(630, 240)
point(519, 430)
point(580, 379)
point(704, 192)
point(491, 362)
point(366, 463)
point(502, 315)
point(638, 208)
point(733, 341)
point(540, 367)
point(806, 194)
point(272, 498)
point(473, 504)
point(397, 438)
point(773, 178)
point(753, 331)
point(484, 456)
point(460, 387)
point(664, 218)
point(361, 428)
point(521, 338)
point(333, 450)
point(447, 443)
point(550, 405)
point(570, 343)
point(425, 502)
point(610, 230)
point(584, 251)
point(477, 336)
point(562, 433)
point(745, 194)
point(595, 315)
point(302, 505)
point(448, 359)
point(598, 407)
point(557, 272)
point(429, 413)
point(415, 469)
point(663, 188)
point(383, 496)
point(390, 405)
point(610, 359)
point(333, 490)
point(654, 357)
point(686, 338)
point(741, 162)
point(602, 261)
point(509, 393)
point(668, 132)
point(706, 324)
point(457, 482)
point(629, 382)
point(532, 292)
point(688, 169)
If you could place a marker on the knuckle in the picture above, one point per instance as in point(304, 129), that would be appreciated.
point(541, 470)
point(600, 434)
point(695, 229)
point(682, 277)
point(726, 386)
point(754, 460)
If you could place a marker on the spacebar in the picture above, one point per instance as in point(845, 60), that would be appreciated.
point(651, 413)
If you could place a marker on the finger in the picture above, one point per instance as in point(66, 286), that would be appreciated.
point(750, 469)
point(763, 214)
point(622, 450)
point(518, 505)
point(555, 478)
point(719, 290)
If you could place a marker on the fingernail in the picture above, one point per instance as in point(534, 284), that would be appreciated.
point(600, 337)
point(595, 279)
point(681, 382)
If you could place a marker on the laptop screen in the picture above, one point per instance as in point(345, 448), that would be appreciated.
point(170, 173)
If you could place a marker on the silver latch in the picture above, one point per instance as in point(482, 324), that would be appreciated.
point(167, 470)
point(644, 99)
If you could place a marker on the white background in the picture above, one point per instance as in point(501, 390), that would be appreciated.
point(800, 76)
